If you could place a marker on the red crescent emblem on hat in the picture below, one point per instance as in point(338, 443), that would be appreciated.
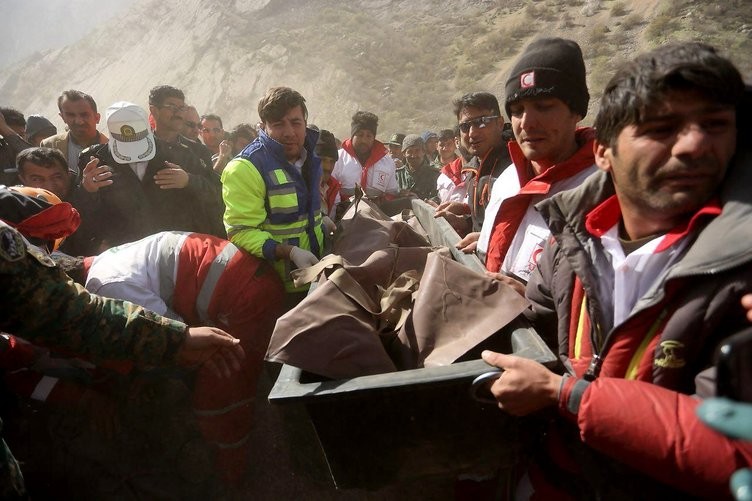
point(527, 80)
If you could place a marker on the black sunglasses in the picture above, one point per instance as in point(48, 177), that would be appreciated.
point(479, 122)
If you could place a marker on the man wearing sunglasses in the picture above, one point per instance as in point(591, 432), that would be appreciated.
point(546, 97)
point(190, 137)
point(480, 126)
point(191, 123)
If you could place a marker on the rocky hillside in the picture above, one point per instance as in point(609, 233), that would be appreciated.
point(404, 60)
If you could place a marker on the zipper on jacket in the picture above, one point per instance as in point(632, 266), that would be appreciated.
point(594, 368)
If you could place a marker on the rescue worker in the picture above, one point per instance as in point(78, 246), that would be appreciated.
point(638, 286)
point(202, 280)
point(42, 304)
point(271, 190)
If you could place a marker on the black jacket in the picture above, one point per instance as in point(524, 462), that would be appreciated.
point(130, 209)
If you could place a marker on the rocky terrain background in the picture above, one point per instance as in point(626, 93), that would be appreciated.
point(404, 60)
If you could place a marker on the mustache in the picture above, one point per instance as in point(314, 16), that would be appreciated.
point(690, 168)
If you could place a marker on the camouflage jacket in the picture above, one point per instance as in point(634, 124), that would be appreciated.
point(42, 304)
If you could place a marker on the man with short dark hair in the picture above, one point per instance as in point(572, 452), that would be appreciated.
point(167, 106)
point(12, 142)
point(191, 123)
point(365, 161)
point(271, 190)
point(45, 168)
point(639, 285)
point(212, 132)
point(481, 125)
point(450, 184)
point(241, 136)
point(446, 148)
point(79, 112)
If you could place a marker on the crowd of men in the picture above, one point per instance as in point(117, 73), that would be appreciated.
point(629, 238)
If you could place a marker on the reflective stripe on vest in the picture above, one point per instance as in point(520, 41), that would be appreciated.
point(43, 388)
point(169, 247)
point(210, 282)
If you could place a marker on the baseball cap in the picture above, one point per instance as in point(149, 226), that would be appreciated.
point(396, 139)
point(131, 139)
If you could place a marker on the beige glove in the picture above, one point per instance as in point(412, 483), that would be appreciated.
point(302, 258)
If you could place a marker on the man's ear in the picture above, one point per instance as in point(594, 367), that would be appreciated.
point(603, 156)
point(97, 116)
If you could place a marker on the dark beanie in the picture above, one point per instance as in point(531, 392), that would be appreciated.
point(326, 146)
point(364, 120)
point(549, 67)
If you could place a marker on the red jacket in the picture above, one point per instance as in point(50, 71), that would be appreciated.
point(332, 190)
point(631, 398)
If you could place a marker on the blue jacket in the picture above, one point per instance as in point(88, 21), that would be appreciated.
point(269, 201)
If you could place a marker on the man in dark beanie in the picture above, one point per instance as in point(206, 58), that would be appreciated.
point(546, 96)
point(365, 161)
point(326, 150)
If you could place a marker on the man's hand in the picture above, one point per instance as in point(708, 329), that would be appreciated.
point(525, 386)
point(214, 347)
point(225, 149)
point(224, 157)
point(515, 284)
point(457, 208)
point(747, 304)
point(171, 178)
point(95, 176)
point(454, 213)
point(469, 243)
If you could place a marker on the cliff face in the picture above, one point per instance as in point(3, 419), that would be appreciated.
point(404, 60)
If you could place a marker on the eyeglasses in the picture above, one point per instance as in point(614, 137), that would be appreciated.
point(215, 130)
point(191, 125)
point(480, 123)
point(174, 108)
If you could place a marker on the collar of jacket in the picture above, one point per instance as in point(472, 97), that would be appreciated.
point(541, 184)
point(278, 151)
point(378, 151)
point(486, 165)
point(722, 245)
point(425, 164)
point(453, 170)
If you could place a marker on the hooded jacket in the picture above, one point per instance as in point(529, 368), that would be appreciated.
point(633, 382)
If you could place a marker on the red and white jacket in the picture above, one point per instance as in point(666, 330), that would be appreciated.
point(513, 232)
point(377, 177)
